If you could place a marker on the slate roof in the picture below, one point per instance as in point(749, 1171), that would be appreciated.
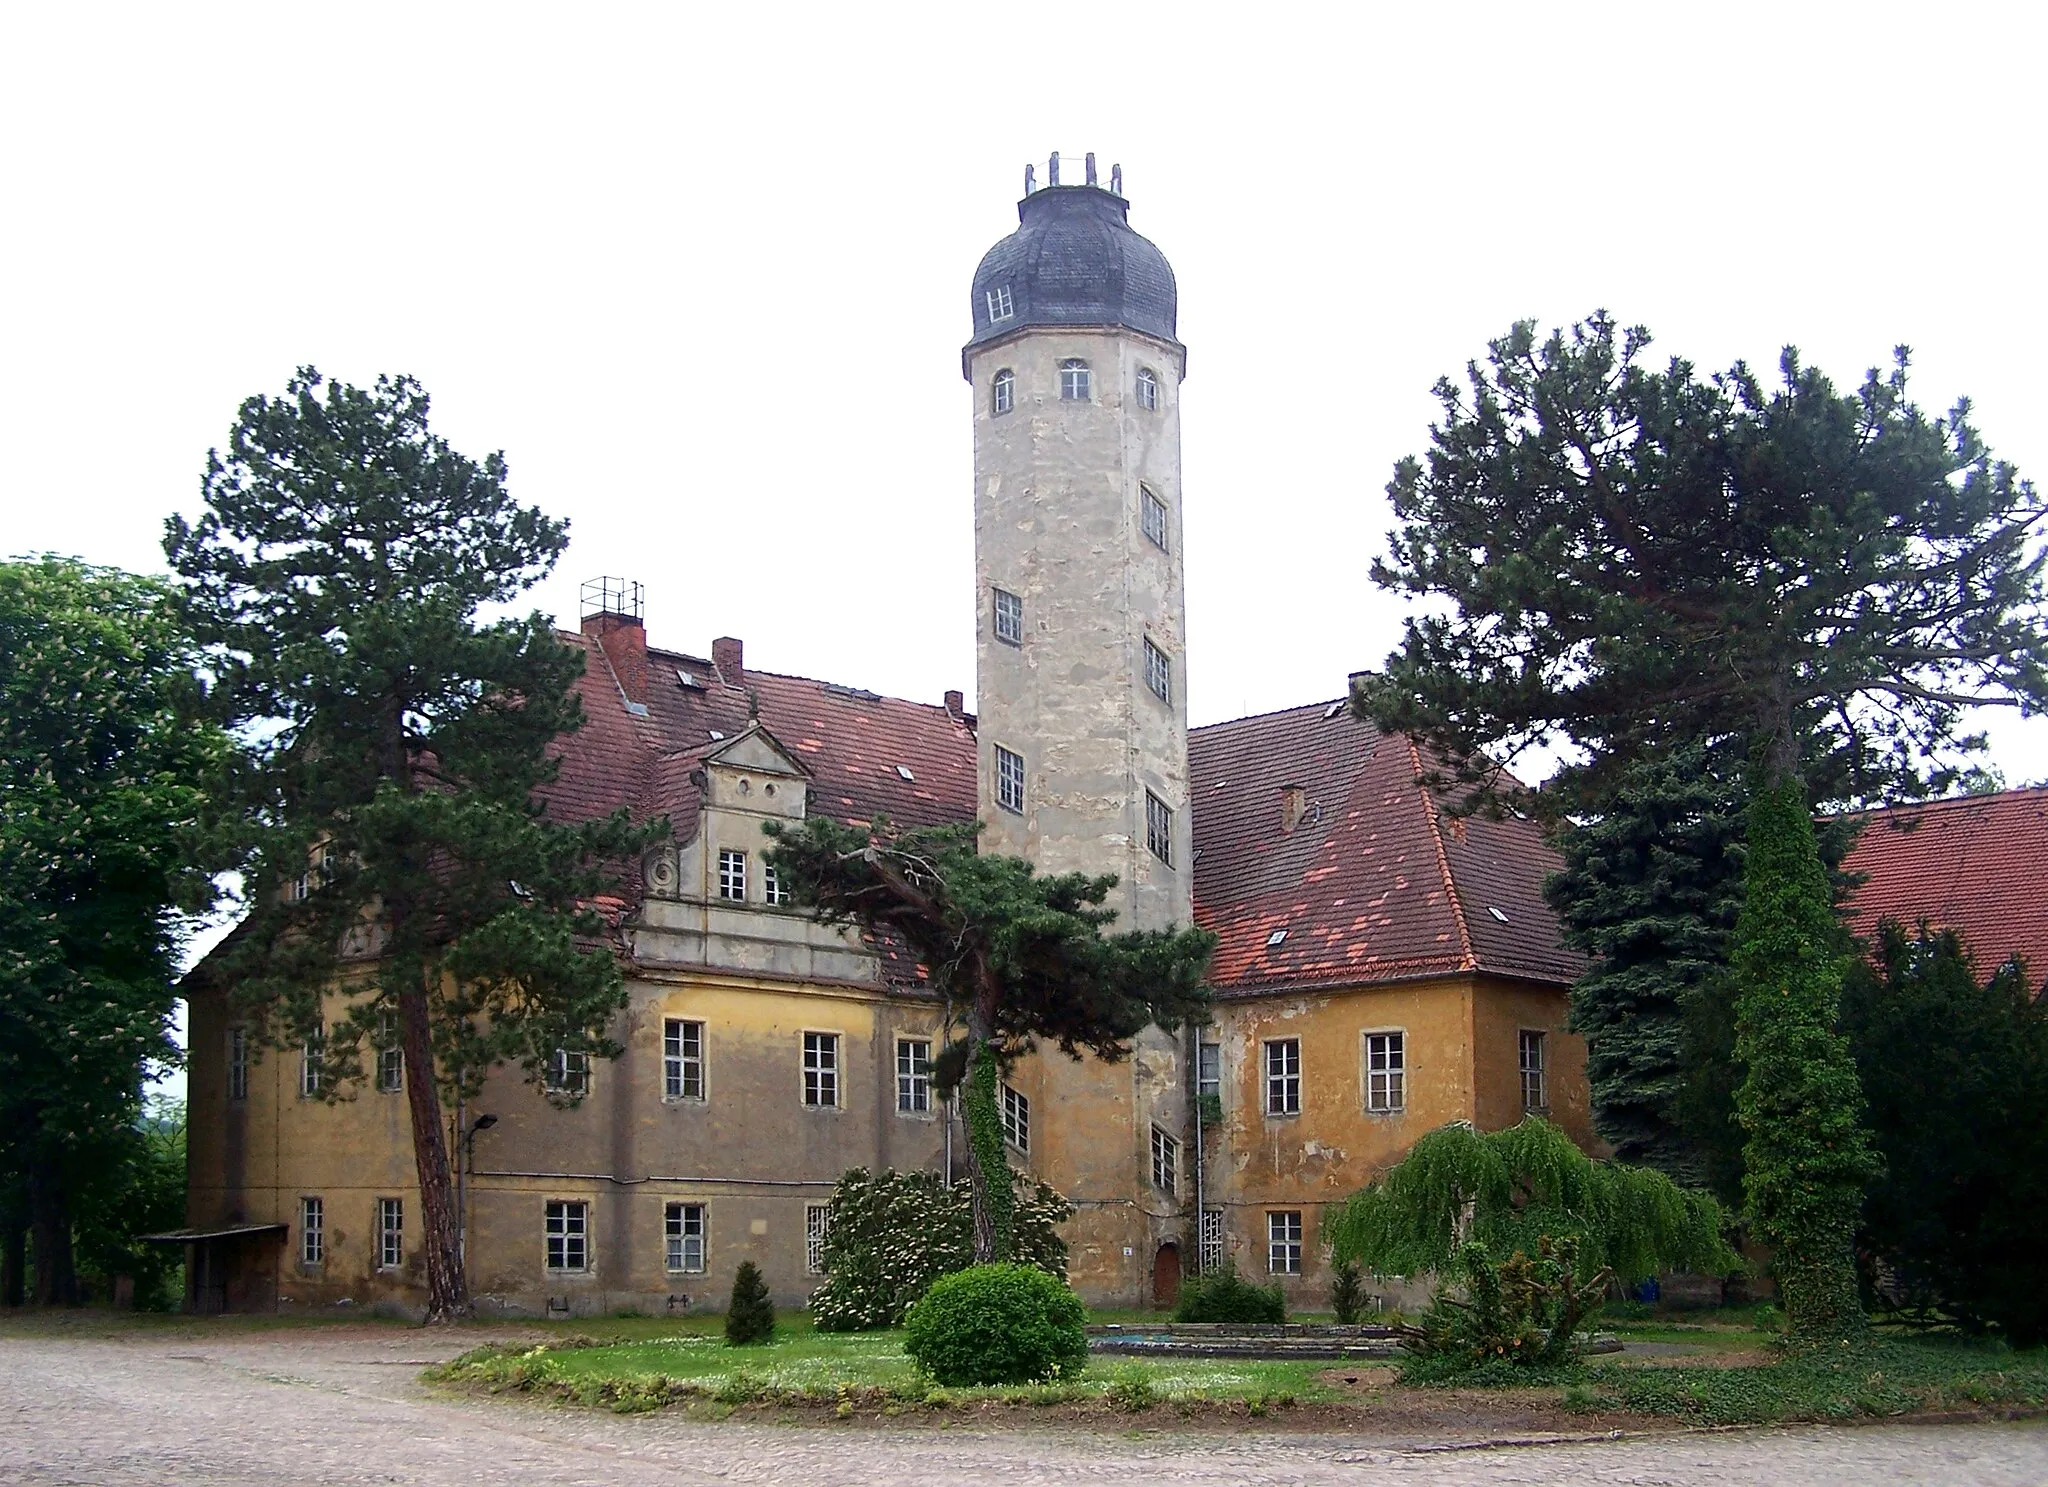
point(1978, 865)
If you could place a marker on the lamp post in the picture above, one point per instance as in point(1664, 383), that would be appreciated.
point(465, 1160)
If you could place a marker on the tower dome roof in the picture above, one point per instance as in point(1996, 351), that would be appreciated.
point(1073, 260)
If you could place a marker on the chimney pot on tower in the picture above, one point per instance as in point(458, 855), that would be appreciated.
point(1052, 169)
point(623, 641)
point(1090, 162)
point(728, 655)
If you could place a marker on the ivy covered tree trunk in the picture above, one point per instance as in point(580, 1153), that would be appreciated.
point(988, 1169)
point(1806, 1157)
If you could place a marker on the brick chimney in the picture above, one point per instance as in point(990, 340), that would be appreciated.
point(727, 655)
point(1293, 806)
point(623, 639)
point(956, 705)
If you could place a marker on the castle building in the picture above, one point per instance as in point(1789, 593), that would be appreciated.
point(1382, 968)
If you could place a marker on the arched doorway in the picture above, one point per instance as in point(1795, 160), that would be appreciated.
point(1166, 1275)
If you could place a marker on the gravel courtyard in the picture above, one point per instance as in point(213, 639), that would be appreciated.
point(341, 1405)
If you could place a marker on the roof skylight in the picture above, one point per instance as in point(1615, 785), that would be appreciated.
point(904, 771)
point(1275, 938)
point(1500, 914)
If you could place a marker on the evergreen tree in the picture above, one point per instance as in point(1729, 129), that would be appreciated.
point(104, 768)
point(398, 745)
point(1638, 559)
point(1017, 957)
point(749, 1314)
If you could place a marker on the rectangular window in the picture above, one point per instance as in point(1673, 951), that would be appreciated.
point(1158, 672)
point(1535, 1096)
point(1009, 780)
point(817, 1224)
point(772, 891)
point(1283, 1242)
point(568, 1235)
point(569, 1072)
point(913, 1076)
point(390, 1233)
point(683, 1224)
point(312, 1231)
point(1283, 1076)
point(1000, 306)
point(1210, 1252)
point(1017, 1119)
point(1158, 828)
point(682, 1059)
point(1386, 1072)
point(312, 1064)
point(732, 875)
point(1152, 517)
point(238, 1063)
point(1209, 1069)
point(1009, 618)
point(390, 1057)
point(821, 1069)
point(1165, 1162)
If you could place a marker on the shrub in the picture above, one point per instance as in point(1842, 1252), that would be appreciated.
point(1225, 1296)
point(1347, 1295)
point(997, 1324)
point(1521, 1312)
point(750, 1316)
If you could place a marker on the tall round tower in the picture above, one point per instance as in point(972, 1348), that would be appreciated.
point(1077, 524)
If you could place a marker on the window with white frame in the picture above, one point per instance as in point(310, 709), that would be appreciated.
point(821, 1069)
point(1283, 1242)
point(1209, 1069)
point(320, 863)
point(1535, 1096)
point(1158, 672)
point(817, 1225)
point(914, 1076)
point(238, 1063)
point(772, 891)
point(1017, 1119)
point(568, 1234)
point(1210, 1250)
point(1386, 1073)
point(1003, 391)
point(1000, 305)
point(1158, 828)
point(1165, 1162)
point(1009, 618)
point(732, 875)
point(1152, 517)
point(568, 1072)
point(1148, 390)
point(1009, 780)
point(683, 1227)
point(682, 1059)
point(390, 1057)
point(1075, 384)
point(1283, 1076)
point(313, 1064)
point(390, 1233)
point(312, 1231)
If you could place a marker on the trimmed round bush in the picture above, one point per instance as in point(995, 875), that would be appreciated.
point(997, 1324)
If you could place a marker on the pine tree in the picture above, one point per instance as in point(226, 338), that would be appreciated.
point(749, 1315)
point(402, 746)
point(1017, 957)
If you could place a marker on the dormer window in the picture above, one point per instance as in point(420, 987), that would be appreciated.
point(1075, 386)
point(999, 304)
point(732, 875)
point(1005, 392)
point(1148, 390)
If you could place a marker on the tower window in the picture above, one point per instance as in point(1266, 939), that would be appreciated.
point(567, 1073)
point(312, 1231)
point(238, 1063)
point(1005, 387)
point(1148, 390)
point(1152, 516)
point(772, 891)
point(1000, 306)
point(568, 1234)
point(1283, 1076)
point(1009, 618)
point(1009, 780)
point(1074, 384)
point(682, 1059)
point(1158, 828)
point(390, 1233)
point(1158, 672)
point(683, 1227)
point(914, 1076)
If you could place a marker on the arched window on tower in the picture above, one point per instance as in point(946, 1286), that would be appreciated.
point(1074, 384)
point(1148, 390)
point(1005, 391)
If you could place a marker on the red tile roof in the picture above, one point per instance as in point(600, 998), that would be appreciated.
point(1976, 865)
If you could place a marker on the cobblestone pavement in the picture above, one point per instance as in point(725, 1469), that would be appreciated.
point(341, 1406)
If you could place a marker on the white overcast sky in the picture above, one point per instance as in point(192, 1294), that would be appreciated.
point(702, 272)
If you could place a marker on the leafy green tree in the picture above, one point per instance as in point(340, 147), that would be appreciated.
point(1956, 1069)
point(1017, 957)
point(104, 768)
point(398, 745)
point(1637, 559)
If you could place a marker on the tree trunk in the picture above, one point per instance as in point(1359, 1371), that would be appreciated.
point(986, 1164)
point(49, 1220)
point(440, 1235)
point(13, 1261)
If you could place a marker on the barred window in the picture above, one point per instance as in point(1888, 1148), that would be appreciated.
point(1075, 385)
point(390, 1057)
point(1386, 1072)
point(1283, 1076)
point(1535, 1097)
point(238, 1063)
point(1000, 305)
point(821, 1069)
point(683, 1227)
point(1158, 672)
point(1009, 618)
point(1283, 1242)
point(1152, 517)
point(312, 1063)
point(913, 1075)
point(568, 1235)
point(817, 1225)
point(1005, 391)
point(1158, 828)
point(1017, 1119)
point(1165, 1162)
point(772, 891)
point(732, 875)
point(390, 1233)
point(682, 1059)
point(312, 1231)
point(1148, 390)
point(1009, 780)
point(1210, 1251)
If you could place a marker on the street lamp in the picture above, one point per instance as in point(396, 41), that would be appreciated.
point(465, 1159)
